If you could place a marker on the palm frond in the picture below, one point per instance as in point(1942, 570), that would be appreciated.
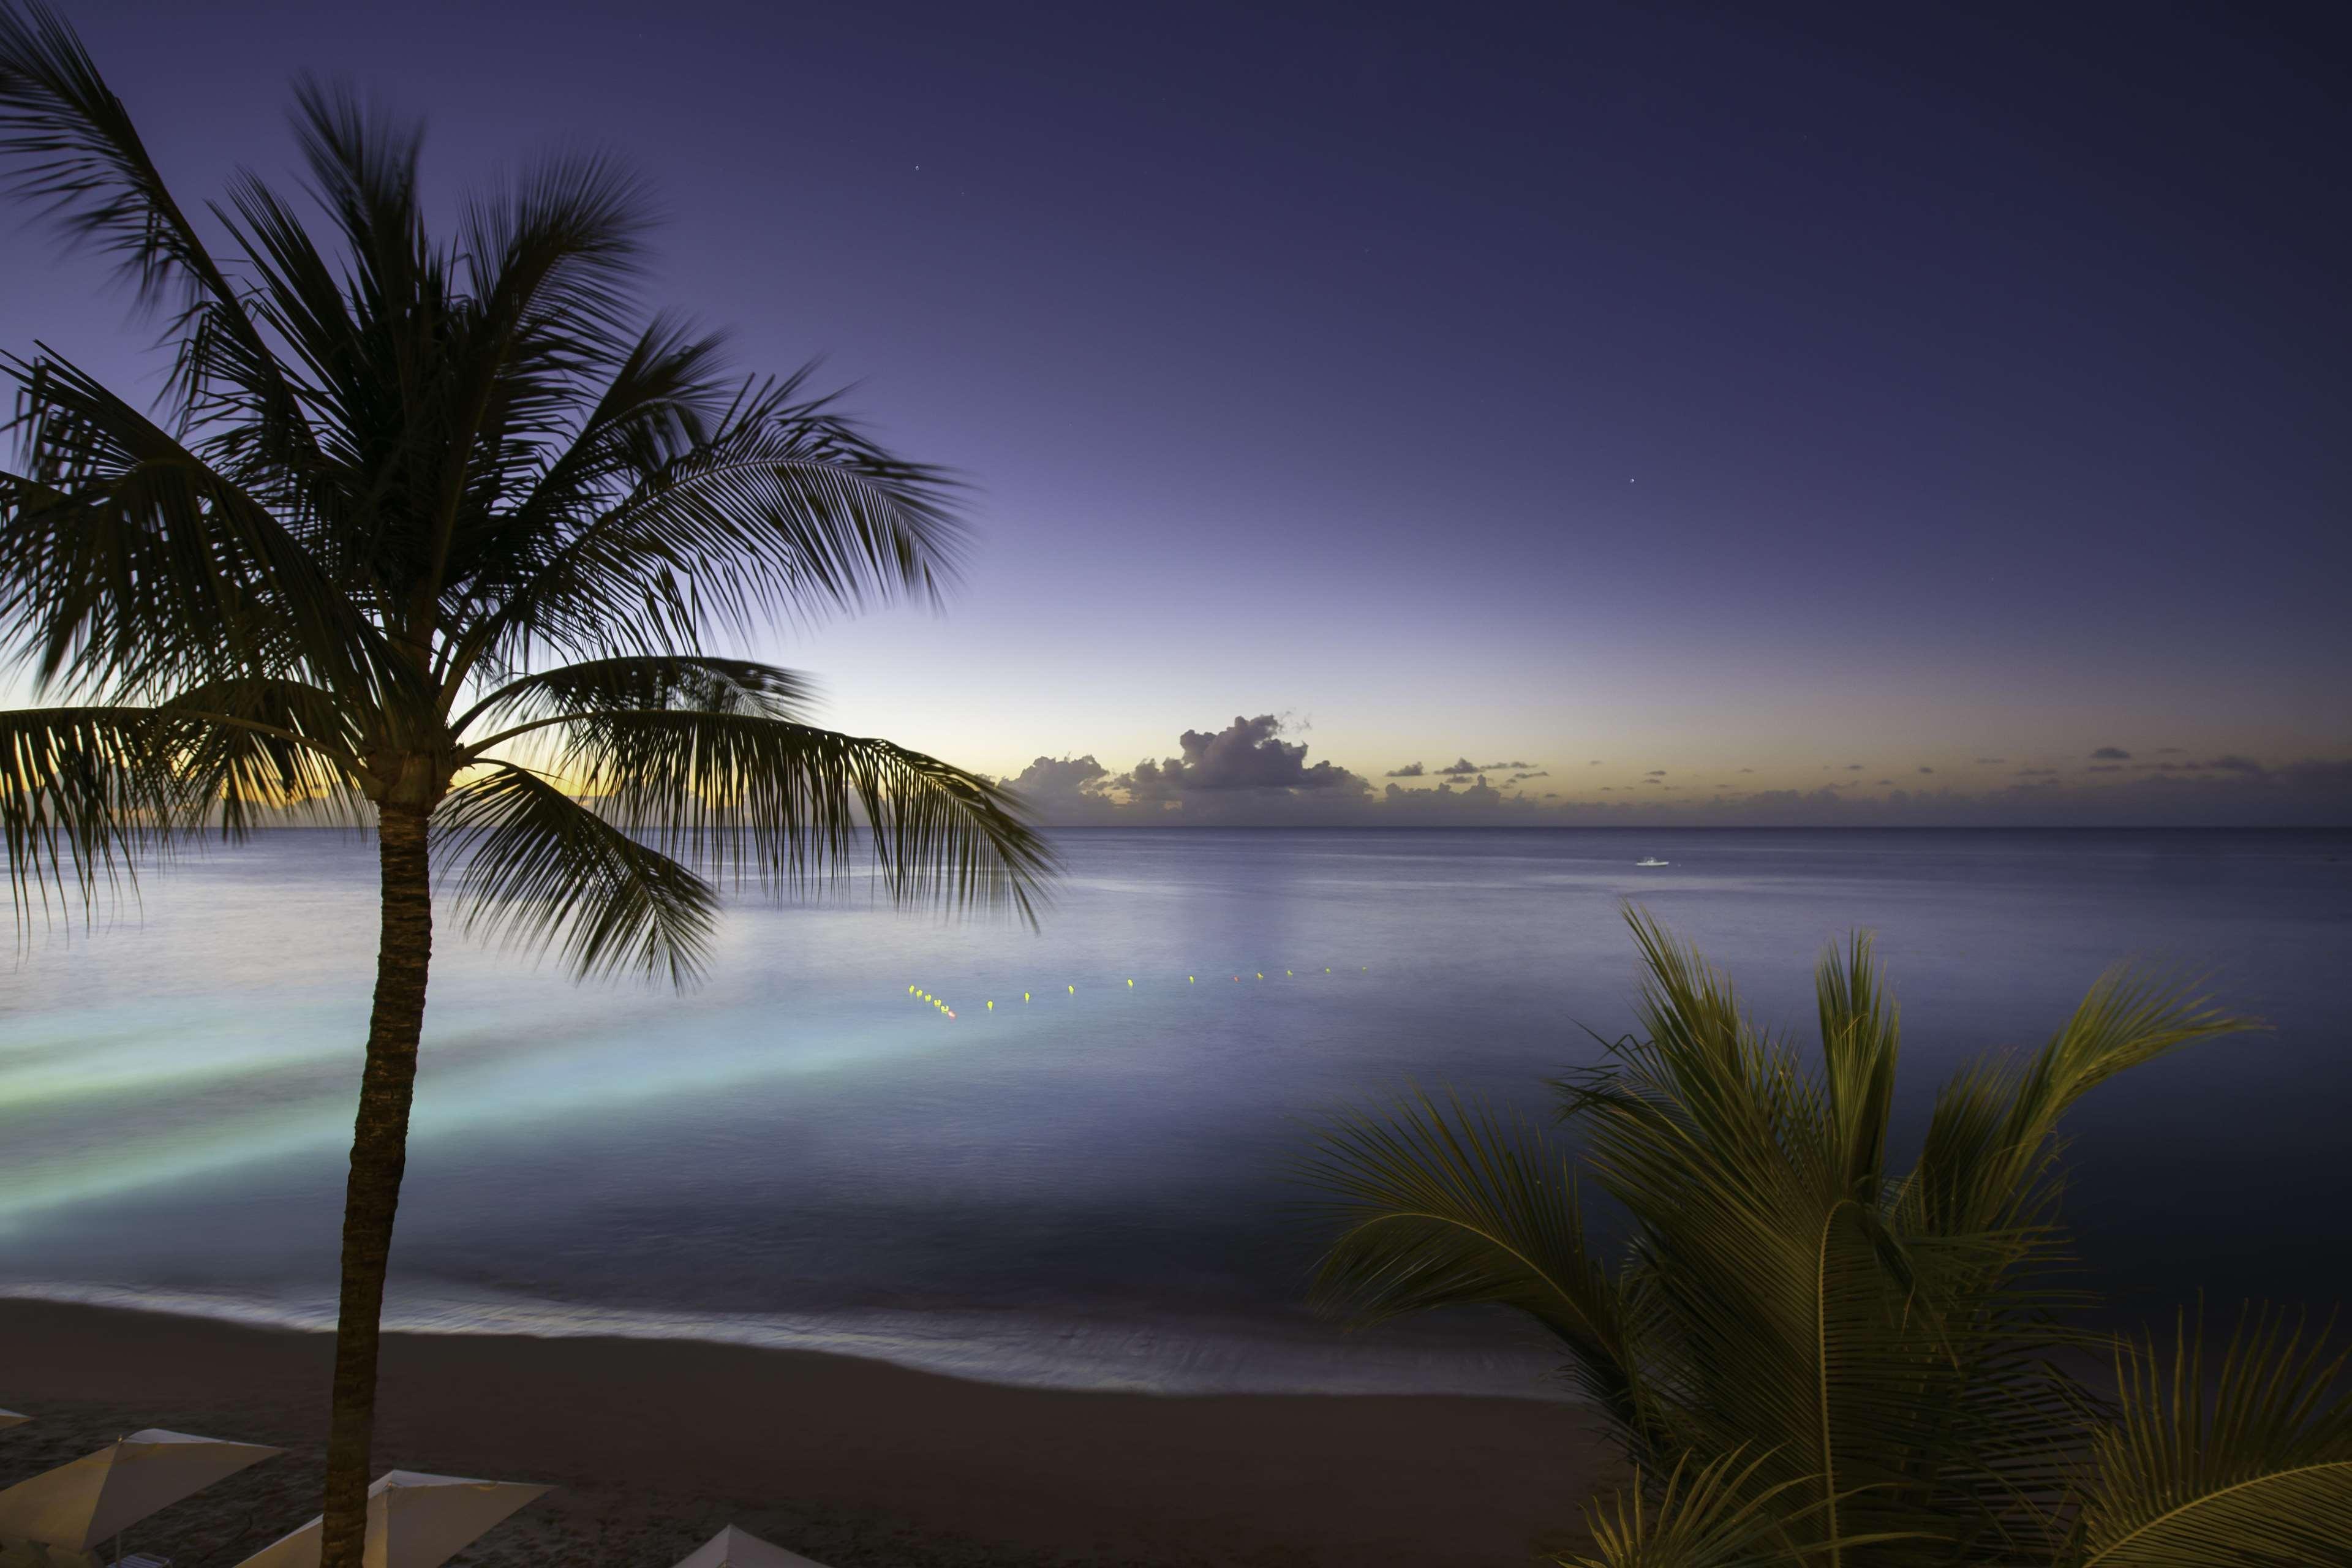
point(88, 793)
point(697, 683)
point(1862, 1042)
point(1447, 1206)
point(1990, 1138)
point(537, 870)
point(782, 509)
point(128, 564)
point(2252, 1469)
point(744, 796)
point(79, 157)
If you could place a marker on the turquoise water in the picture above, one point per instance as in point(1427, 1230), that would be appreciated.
point(1088, 1188)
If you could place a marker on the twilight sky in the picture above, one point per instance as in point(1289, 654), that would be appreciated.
point(1680, 404)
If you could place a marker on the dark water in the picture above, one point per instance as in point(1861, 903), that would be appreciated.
point(1088, 1188)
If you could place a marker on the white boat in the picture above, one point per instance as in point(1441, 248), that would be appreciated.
point(1652, 860)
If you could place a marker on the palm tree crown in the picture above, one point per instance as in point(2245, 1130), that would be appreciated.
point(442, 527)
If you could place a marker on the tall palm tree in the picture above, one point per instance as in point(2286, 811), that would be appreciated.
point(447, 538)
point(1812, 1357)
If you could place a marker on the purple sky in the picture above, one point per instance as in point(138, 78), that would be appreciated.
point(1747, 403)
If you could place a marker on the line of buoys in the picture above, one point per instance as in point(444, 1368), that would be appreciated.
point(1072, 990)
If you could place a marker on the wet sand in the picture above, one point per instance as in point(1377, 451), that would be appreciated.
point(653, 1444)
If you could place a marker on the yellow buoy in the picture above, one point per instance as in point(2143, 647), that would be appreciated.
point(1025, 995)
point(1131, 985)
point(1074, 990)
point(1261, 974)
point(1293, 976)
point(991, 1007)
point(1191, 980)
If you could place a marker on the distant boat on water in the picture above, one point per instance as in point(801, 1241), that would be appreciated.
point(1652, 860)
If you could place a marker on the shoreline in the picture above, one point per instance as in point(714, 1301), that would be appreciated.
point(656, 1444)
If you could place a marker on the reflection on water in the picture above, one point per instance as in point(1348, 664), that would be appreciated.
point(1088, 1187)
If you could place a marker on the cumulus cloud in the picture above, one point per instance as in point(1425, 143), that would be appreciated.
point(1065, 789)
point(1463, 767)
point(2110, 754)
point(1522, 778)
point(1410, 771)
point(1246, 755)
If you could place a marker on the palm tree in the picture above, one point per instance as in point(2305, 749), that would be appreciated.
point(449, 538)
point(1808, 1357)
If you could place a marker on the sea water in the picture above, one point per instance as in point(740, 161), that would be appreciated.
point(1090, 1184)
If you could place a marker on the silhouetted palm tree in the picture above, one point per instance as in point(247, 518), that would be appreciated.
point(1812, 1358)
point(449, 537)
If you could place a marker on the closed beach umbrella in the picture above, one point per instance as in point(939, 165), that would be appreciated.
point(79, 1505)
point(414, 1520)
point(732, 1548)
point(10, 1418)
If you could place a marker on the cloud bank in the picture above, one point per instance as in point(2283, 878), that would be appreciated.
point(1247, 774)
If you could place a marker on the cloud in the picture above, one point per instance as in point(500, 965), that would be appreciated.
point(2236, 765)
point(1655, 773)
point(2110, 754)
point(1247, 755)
point(2168, 751)
point(1992, 762)
point(1748, 770)
point(1593, 763)
point(1065, 789)
point(1854, 767)
point(1410, 771)
point(1463, 767)
point(1522, 778)
point(1888, 783)
point(2105, 768)
point(2037, 772)
point(1926, 770)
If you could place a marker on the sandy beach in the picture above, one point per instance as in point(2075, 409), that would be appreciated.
point(653, 1444)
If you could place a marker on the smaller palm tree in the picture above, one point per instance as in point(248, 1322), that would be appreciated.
point(1810, 1358)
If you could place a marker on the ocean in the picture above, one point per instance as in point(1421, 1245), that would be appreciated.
point(1089, 1184)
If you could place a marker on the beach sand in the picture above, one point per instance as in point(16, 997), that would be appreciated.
point(653, 1444)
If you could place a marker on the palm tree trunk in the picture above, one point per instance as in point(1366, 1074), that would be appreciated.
point(379, 1154)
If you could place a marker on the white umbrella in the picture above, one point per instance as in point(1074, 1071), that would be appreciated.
point(10, 1418)
point(77, 1506)
point(733, 1548)
point(414, 1520)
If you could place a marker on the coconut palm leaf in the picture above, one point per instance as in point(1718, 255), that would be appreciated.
point(537, 868)
point(1443, 1206)
point(2250, 1469)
